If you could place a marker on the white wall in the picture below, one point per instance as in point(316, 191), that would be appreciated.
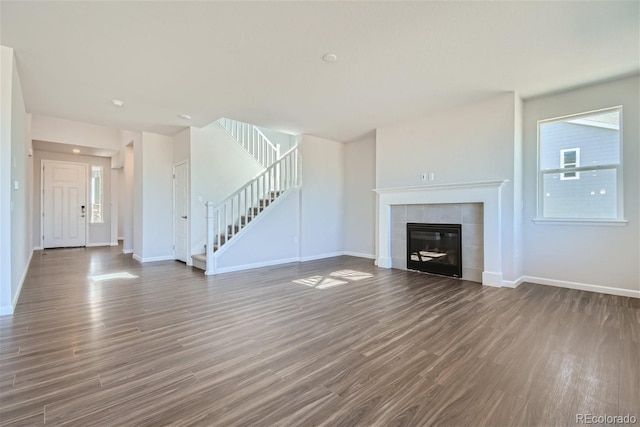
point(53, 129)
point(128, 202)
point(219, 166)
point(322, 197)
point(121, 201)
point(182, 146)
point(98, 234)
point(6, 75)
point(473, 143)
point(359, 197)
point(599, 258)
point(15, 170)
point(273, 237)
point(153, 198)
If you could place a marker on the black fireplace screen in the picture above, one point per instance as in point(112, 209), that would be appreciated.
point(435, 248)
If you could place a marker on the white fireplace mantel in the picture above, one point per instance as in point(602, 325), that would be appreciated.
point(486, 192)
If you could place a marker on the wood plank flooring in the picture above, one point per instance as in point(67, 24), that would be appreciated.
point(335, 342)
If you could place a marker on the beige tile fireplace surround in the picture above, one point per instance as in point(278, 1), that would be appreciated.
point(469, 215)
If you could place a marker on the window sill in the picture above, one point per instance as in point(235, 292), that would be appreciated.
point(580, 221)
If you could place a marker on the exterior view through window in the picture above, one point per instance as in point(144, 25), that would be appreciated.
point(580, 166)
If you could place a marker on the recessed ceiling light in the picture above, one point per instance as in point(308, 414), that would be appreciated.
point(330, 57)
point(76, 151)
point(184, 116)
point(117, 102)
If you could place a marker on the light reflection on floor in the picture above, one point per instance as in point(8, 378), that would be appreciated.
point(111, 276)
point(322, 282)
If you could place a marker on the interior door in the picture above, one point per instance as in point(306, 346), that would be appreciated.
point(64, 204)
point(181, 211)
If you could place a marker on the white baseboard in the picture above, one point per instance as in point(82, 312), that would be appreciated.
point(321, 256)
point(120, 238)
point(491, 279)
point(359, 255)
point(38, 248)
point(114, 244)
point(384, 262)
point(127, 251)
point(583, 286)
point(256, 265)
point(93, 245)
point(513, 283)
point(22, 279)
point(153, 258)
point(9, 309)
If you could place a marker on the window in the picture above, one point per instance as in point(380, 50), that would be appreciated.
point(96, 194)
point(570, 158)
point(580, 166)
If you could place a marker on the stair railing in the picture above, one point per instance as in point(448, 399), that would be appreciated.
point(252, 140)
point(228, 217)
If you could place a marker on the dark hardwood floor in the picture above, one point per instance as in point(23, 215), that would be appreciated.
point(335, 342)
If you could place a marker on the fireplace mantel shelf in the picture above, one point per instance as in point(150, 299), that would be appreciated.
point(476, 184)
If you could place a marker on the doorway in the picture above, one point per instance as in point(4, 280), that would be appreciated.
point(64, 204)
point(181, 211)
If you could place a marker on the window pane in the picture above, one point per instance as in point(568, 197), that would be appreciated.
point(96, 194)
point(591, 196)
point(597, 136)
point(570, 158)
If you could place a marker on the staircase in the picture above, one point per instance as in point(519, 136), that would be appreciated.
point(252, 140)
point(232, 216)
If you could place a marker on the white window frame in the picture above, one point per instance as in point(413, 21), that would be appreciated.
point(619, 220)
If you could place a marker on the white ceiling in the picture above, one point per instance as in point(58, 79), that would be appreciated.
point(260, 62)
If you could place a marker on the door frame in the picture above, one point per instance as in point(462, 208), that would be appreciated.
point(175, 213)
point(86, 196)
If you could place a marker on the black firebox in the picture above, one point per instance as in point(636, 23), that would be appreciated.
point(435, 248)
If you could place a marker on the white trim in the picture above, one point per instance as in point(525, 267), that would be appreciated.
point(583, 286)
point(320, 256)
point(22, 279)
point(127, 251)
point(6, 309)
point(384, 262)
point(37, 248)
point(577, 221)
point(255, 265)
point(359, 255)
point(114, 244)
point(153, 258)
point(513, 283)
point(492, 279)
point(442, 186)
point(93, 245)
point(120, 238)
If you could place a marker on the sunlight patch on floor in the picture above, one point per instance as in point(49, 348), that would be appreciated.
point(322, 282)
point(111, 276)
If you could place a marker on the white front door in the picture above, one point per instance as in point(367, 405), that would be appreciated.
point(181, 211)
point(64, 205)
